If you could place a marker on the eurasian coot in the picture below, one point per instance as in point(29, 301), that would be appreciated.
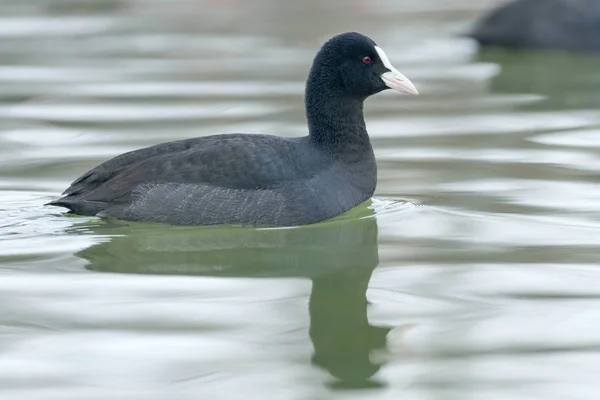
point(257, 179)
point(572, 25)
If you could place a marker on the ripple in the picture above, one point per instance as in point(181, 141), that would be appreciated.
point(27, 228)
point(565, 196)
point(188, 89)
point(581, 160)
point(39, 73)
point(106, 112)
point(390, 208)
point(582, 138)
point(482, 124)
point(53, 26)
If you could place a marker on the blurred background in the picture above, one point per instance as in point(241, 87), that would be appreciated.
point(473, 273)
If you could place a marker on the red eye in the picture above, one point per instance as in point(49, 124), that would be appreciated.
point(367, 60)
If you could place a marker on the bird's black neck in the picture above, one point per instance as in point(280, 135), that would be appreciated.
point(335, 120)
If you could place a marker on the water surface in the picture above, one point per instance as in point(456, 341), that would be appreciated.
point(473, 273)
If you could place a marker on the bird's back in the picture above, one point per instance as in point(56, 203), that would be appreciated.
point(234, 178)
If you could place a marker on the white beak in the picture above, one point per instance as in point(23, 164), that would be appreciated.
point(393, 78)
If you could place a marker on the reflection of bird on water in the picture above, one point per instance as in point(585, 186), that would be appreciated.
point(572, 25)
point(339, 257)
point(339, 328)
point(564, 81)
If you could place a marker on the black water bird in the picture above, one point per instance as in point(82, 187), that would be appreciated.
point(257, 179)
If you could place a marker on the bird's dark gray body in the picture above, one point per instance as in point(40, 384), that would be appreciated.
point(572, 25)
point(260, 179)
point(257, 179)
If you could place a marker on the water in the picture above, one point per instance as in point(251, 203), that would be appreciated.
point(478, 256)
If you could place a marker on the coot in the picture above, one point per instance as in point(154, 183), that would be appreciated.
point(572, 25)
point(257, 179)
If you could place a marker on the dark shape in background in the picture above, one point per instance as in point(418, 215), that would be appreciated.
point(338, 256)
point(571, 25)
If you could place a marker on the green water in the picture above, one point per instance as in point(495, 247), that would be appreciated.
point(473, 273)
